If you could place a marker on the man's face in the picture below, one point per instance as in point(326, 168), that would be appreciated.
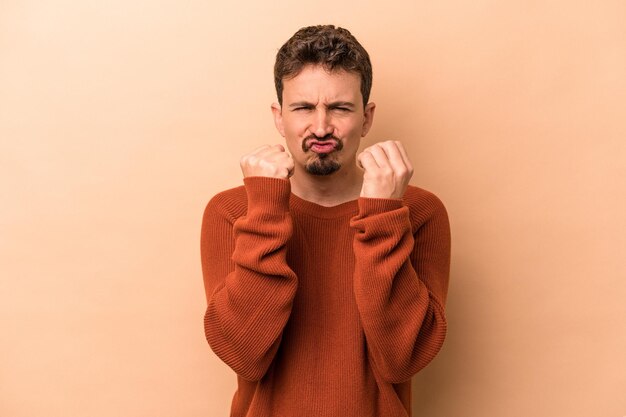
point(322, 119)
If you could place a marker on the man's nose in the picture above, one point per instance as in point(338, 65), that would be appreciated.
point(322, 124)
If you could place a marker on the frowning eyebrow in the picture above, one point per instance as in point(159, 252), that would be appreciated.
point(329, 105)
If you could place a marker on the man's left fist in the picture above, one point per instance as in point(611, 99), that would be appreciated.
point(387, 170)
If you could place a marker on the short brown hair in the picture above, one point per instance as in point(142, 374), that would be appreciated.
point(332, 47)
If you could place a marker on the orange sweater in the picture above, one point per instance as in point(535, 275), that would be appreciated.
point(324, 311)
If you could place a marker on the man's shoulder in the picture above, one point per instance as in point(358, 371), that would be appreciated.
point(423, 204)
point(230, 203)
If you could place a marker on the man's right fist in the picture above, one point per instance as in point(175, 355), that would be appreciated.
point(267, 161)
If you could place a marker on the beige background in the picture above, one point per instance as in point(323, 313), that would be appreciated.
point(119, 120)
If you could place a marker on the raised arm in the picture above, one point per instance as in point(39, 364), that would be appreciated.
point(400, 278)
point(249, 286)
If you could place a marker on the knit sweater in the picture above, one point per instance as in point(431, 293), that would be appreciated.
point(324, 311)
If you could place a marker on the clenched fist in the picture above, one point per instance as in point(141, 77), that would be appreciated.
point(387, 170)
point(267, 161)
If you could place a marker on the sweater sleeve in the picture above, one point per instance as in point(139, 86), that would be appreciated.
point(248, 284)
point(401, 283)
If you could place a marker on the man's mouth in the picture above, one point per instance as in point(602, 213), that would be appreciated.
point(323, 147)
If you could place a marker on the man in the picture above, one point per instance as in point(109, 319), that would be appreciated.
point(326, 273)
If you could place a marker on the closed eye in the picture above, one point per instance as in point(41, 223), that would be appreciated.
point(343, 109)
point(340, 109)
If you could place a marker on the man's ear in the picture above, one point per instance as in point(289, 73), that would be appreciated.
point(368, 119)
point(278, 118)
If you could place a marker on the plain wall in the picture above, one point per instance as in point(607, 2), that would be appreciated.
point(120, 120)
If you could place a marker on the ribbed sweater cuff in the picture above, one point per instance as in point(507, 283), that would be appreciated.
point(272, 193)
point(371, 205)
point(379, 217)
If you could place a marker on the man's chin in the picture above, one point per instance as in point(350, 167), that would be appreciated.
point(323, 167)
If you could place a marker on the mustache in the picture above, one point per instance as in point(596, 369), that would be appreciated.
point(306, 146)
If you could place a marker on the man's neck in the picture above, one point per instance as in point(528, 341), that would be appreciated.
point(328, 190)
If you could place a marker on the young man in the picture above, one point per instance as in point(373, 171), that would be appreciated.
point(326, 273)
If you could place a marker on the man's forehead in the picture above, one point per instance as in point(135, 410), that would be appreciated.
point(314, 96)
point(335, 87)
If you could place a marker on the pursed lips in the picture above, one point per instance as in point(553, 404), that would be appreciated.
point(312, 142)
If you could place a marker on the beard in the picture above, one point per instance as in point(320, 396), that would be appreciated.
point(322, 163)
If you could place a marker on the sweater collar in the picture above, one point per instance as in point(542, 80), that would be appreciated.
point(326, 212)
